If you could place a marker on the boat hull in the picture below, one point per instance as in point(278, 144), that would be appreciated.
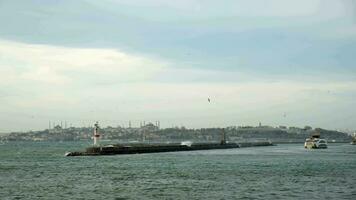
point(315, 145)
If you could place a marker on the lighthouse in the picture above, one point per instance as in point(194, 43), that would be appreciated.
point(223, 137)
point(96, 134)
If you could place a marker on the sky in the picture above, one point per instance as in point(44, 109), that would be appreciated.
point(278, 62)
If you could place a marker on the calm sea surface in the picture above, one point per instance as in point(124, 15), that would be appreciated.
point(38, 170)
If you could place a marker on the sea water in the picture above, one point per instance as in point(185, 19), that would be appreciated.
point(39, 170)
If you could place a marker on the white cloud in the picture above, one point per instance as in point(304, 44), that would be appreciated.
point(51, 81)
point(64, 65)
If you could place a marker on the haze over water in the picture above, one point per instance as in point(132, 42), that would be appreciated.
point(38, 170)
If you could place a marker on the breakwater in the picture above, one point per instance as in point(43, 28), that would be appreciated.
point(157, 148)
point(255, 144)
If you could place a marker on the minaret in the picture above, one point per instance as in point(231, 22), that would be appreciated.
point(96, 134)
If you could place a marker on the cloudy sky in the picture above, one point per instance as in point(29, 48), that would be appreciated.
point(278, 62)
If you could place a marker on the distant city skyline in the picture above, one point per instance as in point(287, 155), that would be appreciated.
point(192, 63)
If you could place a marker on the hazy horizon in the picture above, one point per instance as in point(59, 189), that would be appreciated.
point(279, 63)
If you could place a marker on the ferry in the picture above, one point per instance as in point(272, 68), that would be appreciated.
point(354, 139)
point(315, 142)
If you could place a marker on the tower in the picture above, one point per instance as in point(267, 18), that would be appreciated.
point(223, 137)
point(96, 134)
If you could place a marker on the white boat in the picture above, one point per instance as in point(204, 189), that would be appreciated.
point(315, 142)
point(354, 139)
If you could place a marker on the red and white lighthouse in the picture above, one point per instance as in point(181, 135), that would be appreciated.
point(96, 134)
